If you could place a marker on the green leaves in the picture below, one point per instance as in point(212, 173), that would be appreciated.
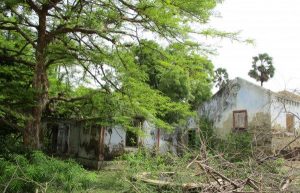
point(106, 76)
point(221, 77)
point(262, 68)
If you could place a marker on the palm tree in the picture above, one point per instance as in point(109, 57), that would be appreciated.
point(262, 68)
point(220, 77)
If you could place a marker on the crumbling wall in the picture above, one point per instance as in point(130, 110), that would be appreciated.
point(60, 136)
point(154, 137)
point(279, 110)
point(257, 101)
point(114, 141)
point(219, 108)
point(89, 141)
point(241, 95)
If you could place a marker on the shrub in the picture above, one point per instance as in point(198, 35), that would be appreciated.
point(237, 146)
point(25, 174)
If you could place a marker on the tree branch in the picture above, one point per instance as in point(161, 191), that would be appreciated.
point(65, 30)
point(33, 6)
point(4, 59)
point(51, 4)
point(17, 29)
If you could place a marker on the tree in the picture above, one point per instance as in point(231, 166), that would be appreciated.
point(262, 68)
point(178, 71)
point(220, 77)
point(88, 33)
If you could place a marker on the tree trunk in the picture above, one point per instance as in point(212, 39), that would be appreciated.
point(32, 133)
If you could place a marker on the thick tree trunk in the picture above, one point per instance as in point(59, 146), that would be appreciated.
point(40, 85)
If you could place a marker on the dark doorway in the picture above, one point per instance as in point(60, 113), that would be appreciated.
point(192, 138)
point(131, 139)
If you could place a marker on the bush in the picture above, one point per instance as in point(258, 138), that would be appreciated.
point(25, 174)
point(236, 147)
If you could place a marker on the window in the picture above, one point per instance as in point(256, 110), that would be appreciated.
point(240, 120)
point(290, 122)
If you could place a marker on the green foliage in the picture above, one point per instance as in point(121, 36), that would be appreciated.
point(16, 95)
point(178, 71)
point(96, 36)
point(40, 171)
point(152, 86)
point(237, 146)
point(207, 132)
point(262, 68)
point(220, 77)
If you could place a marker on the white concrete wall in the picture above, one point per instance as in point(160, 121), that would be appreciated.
point(253, 98)
point(149, 140)
point(89, 137)
point(239, 94)
point(279, 108)
point(280, 134)
point(167, 140)
point(219, 108)
point(115, 138)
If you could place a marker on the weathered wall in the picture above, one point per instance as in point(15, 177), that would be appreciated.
point(219, 108)
point(279, 109)
point(88, 141)
point(62, 136)
point(91, 143)
point(257, 101)
point(240, 94)
point(114, 140)
point(152, 137)
point(74, 139)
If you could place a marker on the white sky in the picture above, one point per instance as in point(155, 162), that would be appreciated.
point(275, 27)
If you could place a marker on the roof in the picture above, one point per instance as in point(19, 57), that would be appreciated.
point(239, 79)
point(283, 94)
point(288, 95)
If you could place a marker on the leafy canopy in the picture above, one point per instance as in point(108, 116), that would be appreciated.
point(262, 68)
point(220, 77)
point(54, 38)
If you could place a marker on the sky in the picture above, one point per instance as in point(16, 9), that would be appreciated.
point(275, 27)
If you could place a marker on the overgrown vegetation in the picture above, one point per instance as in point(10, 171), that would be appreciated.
point(184, 173)
point(91, 61)
point(236, 146)
point(36, 171)
point(78, 58)
point(26, 173)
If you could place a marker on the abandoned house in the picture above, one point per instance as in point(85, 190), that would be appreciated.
point(272, 117)
point(91, 144)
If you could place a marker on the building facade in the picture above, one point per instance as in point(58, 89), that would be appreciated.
point(241, 105)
